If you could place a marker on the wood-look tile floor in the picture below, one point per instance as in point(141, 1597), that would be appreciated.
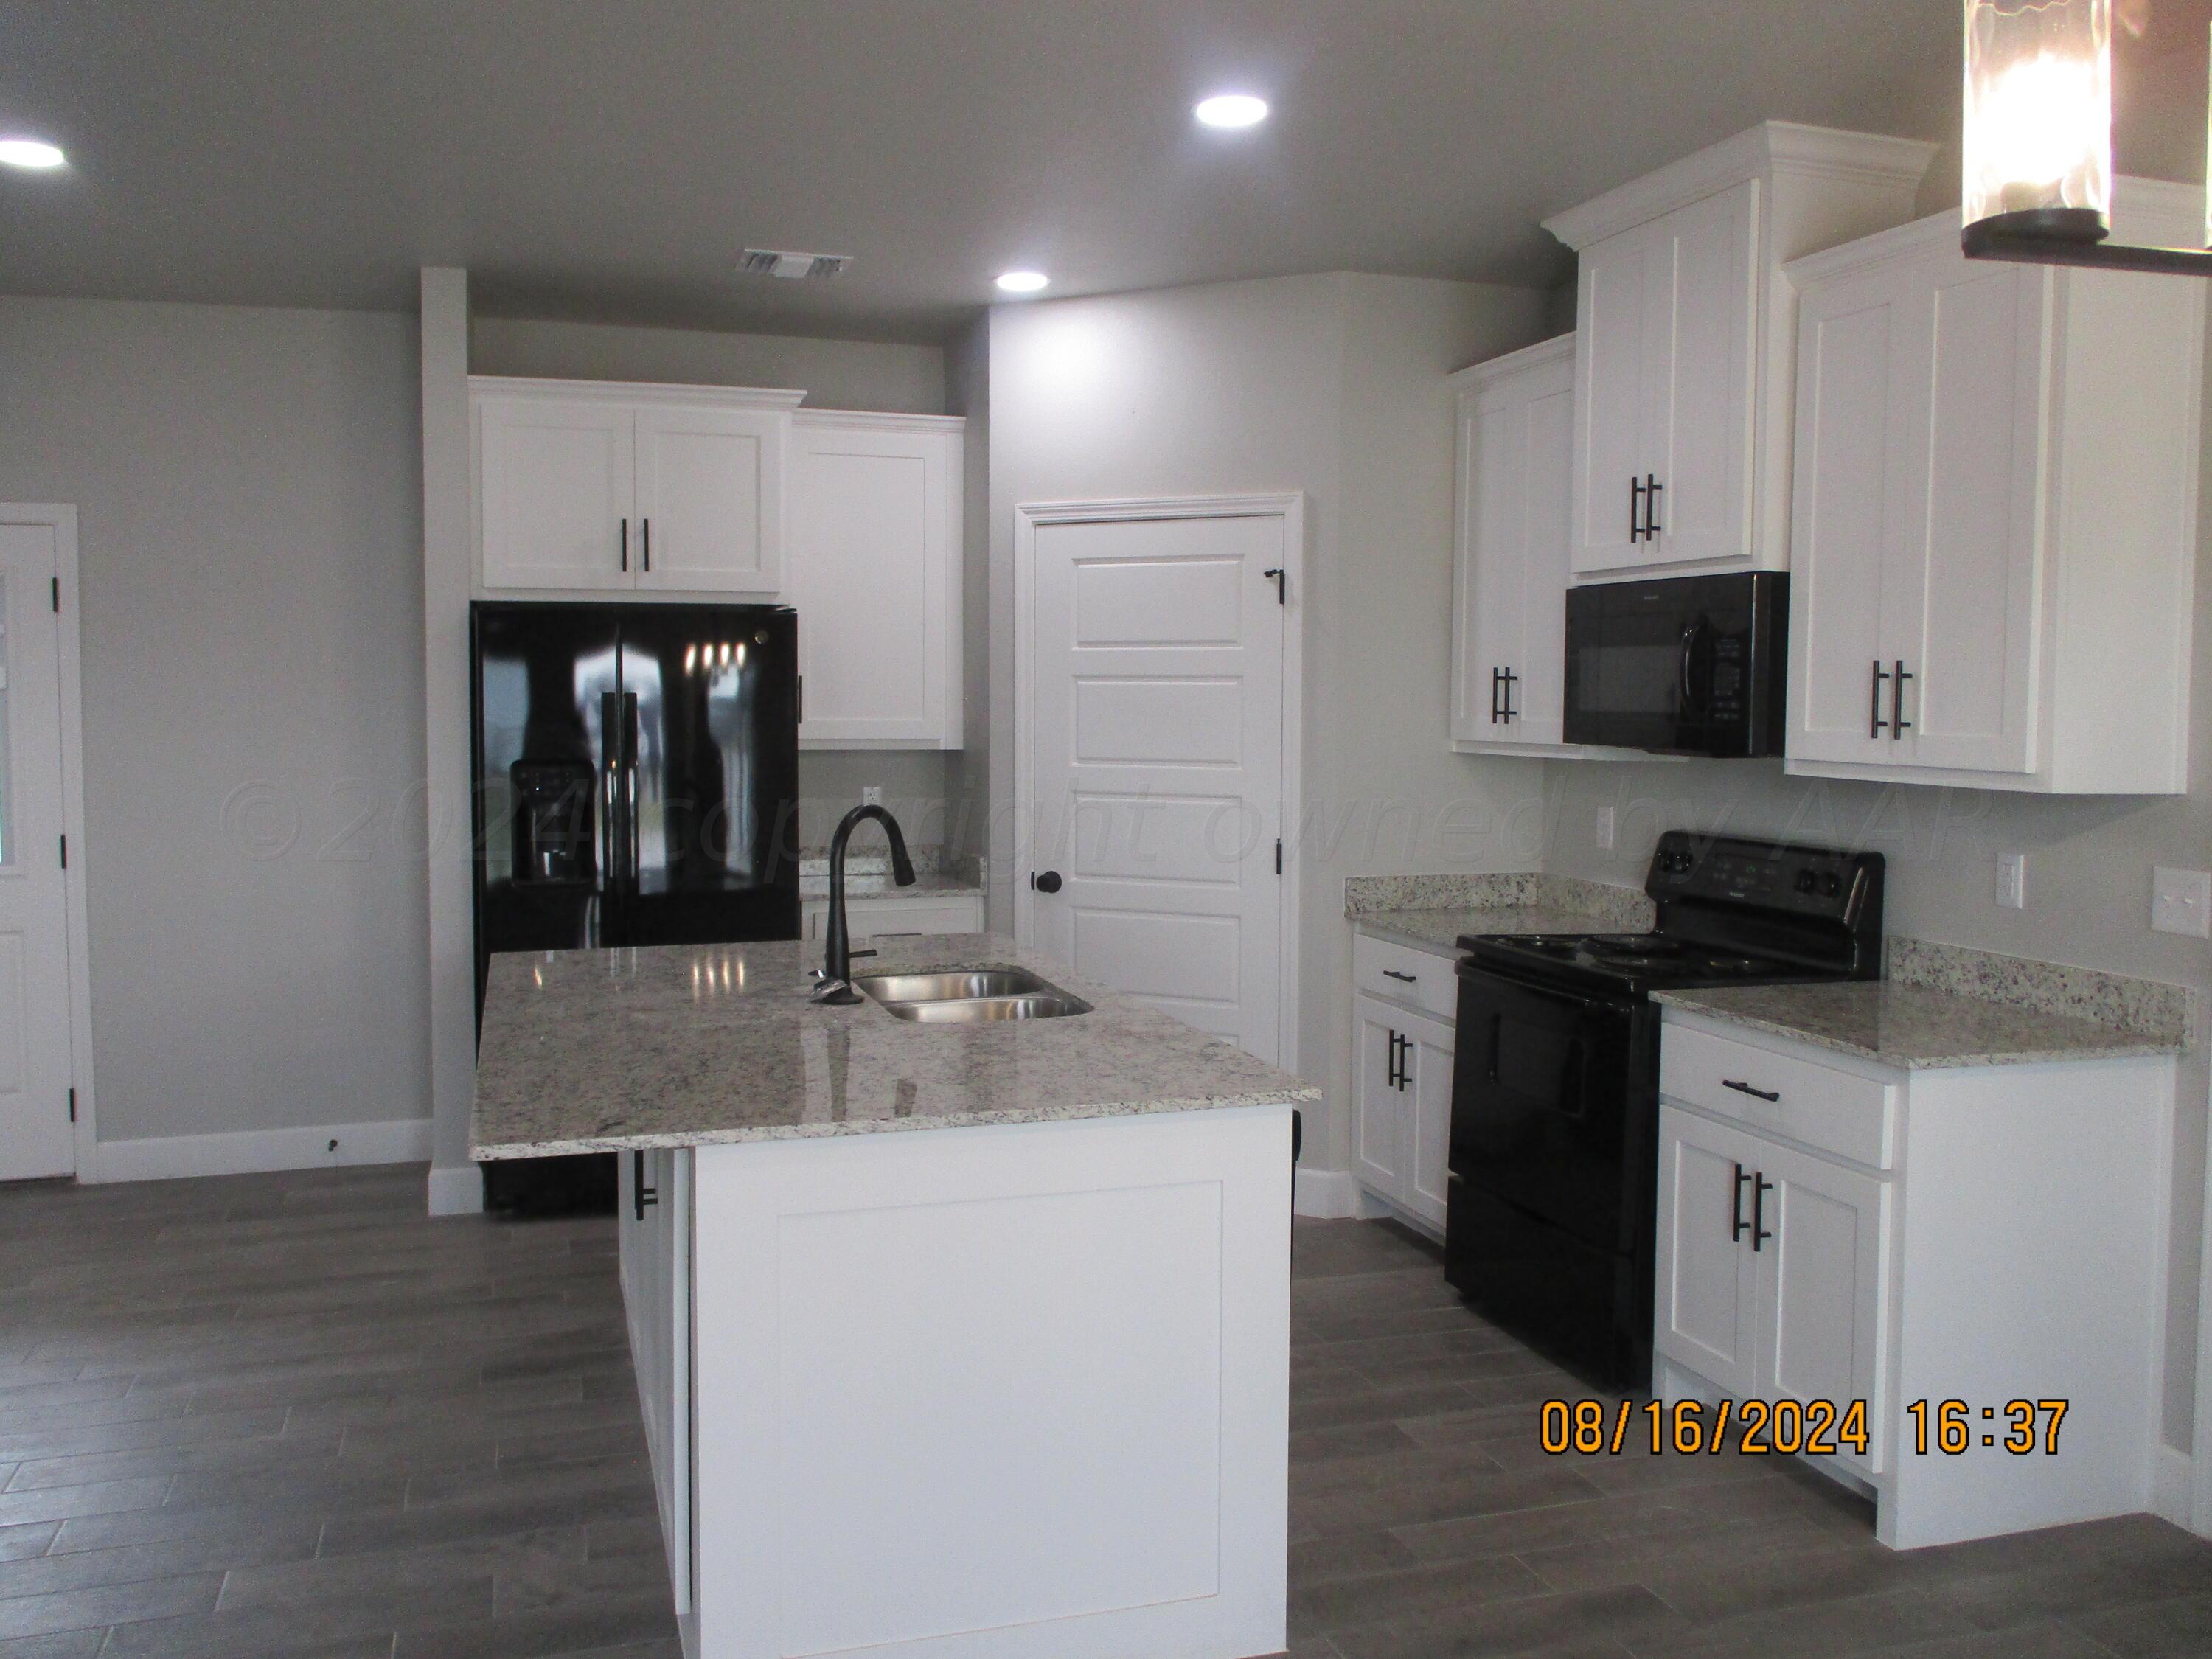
point(288, 1415)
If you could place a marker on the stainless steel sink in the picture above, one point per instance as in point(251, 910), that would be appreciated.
point(971, 996)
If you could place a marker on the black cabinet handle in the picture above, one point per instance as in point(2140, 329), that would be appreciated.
point(1390, 1064)
point(1746, 1089)
point(1876, 724)
point(1407, 979)
point(1635, 510)
point(1760, 1186)
point(1737, 1226)
point(1497, 679)
point(1898, 724)
point(1047, 881)
point(625, 544)
point(640, 1195)
point(1511, 712)
point(1651, 489)
point(644, 536)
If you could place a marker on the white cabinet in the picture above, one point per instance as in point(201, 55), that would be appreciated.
point(1401, 1129)
point(1510, 567)
point(891, 914)
point(1686, 335)
point(1832, 1229)
point(875, 574)
point(1995, 513)
point(653, 1193)
point(590, 486)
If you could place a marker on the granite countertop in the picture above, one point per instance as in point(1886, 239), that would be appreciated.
point(1439, 930)
point(1915, 1027)
point(589, 1051)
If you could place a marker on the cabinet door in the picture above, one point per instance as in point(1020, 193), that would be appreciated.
point(1427, 1055)
point(889, 916)
point(1705, 1284)
point(710, 499)
point(1820, 1283)
point(1516, 446)
point(1613, 323)
point(555, 506)
point(1701, 332)
point(1851, 505)
point(1378, 1137)
point(875, 572)
point(1966, 632)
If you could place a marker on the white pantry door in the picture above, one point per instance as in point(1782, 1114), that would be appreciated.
point(1155, 734)
point(35, 1137)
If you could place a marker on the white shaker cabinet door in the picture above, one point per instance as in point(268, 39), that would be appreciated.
point(1706, 1287)
point(1616, 335)
point(875, 574)
point(1378, 1138)
point(555, 500)
point(710, 499)
point(1427, 1055)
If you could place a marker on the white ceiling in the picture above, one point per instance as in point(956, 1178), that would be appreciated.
point(609, 158)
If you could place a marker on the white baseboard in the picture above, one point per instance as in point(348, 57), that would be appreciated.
point(255, 1152)
point(2173, 1485)
point(456, 1189)
point(1326, 1194)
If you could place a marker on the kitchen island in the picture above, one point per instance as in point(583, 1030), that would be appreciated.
point(965, 1339)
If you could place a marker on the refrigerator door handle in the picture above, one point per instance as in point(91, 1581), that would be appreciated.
point(629, 779)
point(611, 750)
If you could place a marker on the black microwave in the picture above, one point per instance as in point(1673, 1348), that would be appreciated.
point(1681, 665)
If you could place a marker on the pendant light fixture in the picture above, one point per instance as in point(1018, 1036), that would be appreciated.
point(2036, 179)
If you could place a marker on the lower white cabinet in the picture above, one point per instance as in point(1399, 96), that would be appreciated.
point(1401, 1129)
point(654, 1219)
point(891, 914)
point(1832, 1229)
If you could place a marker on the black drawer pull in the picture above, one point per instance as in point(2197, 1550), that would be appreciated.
point(1410, 979)
point(1737, 1226)
point(1746, 1089)
point(1760, 1186)
point(640, 1195)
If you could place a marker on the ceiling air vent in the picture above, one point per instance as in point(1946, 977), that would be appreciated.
point(781, 262)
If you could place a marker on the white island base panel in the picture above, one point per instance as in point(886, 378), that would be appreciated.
point(975, 1392)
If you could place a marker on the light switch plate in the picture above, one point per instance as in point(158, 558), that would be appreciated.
point(1605, 828)
point(2012, 880)
point(2181, 901)
point(871, 794)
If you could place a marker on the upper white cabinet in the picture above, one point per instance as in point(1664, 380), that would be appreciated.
point(855, 519)
point(1509, 575)
point(875, 574)
point(595, 486)
point(1994, 512)
point(1685, 338)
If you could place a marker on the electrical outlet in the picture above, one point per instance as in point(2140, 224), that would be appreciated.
point(2181, 901)
point(1605, 828)
point(871, 794)
point(2012, 880)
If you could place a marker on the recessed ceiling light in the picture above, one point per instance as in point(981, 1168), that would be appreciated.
point(1023, 281)
point(30, 153)
point(1232, 109)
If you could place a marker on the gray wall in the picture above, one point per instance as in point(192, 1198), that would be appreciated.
point(250, 538)
point(902, 379)
point(1333, 384)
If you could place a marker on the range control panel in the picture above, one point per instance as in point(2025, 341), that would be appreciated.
point(1727, 870)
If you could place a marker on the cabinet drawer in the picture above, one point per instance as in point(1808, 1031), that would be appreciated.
point(1382, 969)
point(888, 917)
point(1818, 1106)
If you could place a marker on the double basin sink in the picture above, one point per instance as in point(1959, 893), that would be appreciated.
point(970, 996)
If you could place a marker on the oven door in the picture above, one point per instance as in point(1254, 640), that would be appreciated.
point(1545, 1105)
point(1687, 665)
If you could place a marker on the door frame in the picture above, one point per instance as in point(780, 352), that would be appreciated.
point(61, 518)
point(1289, 505)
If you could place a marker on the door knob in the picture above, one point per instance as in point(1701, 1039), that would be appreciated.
point(1046, 882)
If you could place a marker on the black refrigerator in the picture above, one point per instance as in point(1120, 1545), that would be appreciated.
point(636, 783)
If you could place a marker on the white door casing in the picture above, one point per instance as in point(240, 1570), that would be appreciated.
point(44, 996)
point(1155, 746)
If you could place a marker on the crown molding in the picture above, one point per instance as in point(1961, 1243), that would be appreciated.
point(628, 392)
point(1514, 363)
point(1769, 148)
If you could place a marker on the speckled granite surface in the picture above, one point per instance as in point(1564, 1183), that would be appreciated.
point(1439, 931)
point(2154, 1009)
point(1915, 1027)
point(691, 1045)
point(1603, 907)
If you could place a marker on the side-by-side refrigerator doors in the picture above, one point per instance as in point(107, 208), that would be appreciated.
point(708, 783)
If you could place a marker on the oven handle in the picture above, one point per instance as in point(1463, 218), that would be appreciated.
point(1469, 969)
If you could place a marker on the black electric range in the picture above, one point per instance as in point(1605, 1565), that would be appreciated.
point(1554, 1182)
